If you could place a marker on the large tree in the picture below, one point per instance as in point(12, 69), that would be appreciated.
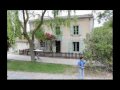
point(25, 33)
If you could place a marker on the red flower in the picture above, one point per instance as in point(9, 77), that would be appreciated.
point(49, 36)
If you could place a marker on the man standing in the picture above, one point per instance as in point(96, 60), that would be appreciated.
point(81, 65)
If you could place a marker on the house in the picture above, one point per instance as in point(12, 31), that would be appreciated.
point(71, 38)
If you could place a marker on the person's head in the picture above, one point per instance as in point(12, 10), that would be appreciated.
point(81, 57)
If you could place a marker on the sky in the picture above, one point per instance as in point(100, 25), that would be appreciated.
point(78, 12)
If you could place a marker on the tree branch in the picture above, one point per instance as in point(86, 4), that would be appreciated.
point(41, 21)
point(27, 16)
point(24, 27)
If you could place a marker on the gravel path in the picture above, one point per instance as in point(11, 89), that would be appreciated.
point(33, 75)
point(43, 59)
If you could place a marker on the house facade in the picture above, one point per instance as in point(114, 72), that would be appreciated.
point(71, 38)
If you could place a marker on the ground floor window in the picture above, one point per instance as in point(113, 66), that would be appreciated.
point(75, 46)
point(42, 44)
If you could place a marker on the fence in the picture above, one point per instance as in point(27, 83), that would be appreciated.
point(51, 54)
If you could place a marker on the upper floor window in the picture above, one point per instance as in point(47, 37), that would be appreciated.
point(57, 30)
point(76, 30)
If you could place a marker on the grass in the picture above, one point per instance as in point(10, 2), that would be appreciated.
point(52, 68)
point(38, 67)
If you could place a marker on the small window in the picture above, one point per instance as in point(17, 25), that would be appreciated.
point(42, 44)
point(76, 30)
point(75, 46)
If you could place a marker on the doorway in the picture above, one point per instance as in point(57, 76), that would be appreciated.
point(58, 46)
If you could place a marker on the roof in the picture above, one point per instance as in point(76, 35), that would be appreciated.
point(65, 17)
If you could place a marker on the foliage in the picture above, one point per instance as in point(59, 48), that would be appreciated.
point(10, 32)
point(13, 26)
point(99, 44)
point(106, 15)
point(49, 36)
point(39, 34)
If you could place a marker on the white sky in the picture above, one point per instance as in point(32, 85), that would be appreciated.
point(78, 12)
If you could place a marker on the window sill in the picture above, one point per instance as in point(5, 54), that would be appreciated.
point(76, 52)
point(76, 35)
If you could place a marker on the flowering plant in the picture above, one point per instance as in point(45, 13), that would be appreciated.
point(49, 36)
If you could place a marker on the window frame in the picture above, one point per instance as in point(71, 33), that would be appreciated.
point(57, 28)
point(76, 46)
point(76, 29)
point(42, 44)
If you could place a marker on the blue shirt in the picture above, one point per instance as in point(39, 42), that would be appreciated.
point(81, 63)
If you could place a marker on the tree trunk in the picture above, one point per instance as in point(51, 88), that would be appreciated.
point(31, 51)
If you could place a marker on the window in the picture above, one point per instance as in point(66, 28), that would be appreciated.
point(57, 30)
point(76, 30)
point(42, 44)
point(75, 46)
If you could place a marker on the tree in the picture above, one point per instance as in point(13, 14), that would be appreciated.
point(50, 38)
point(106, 15)
point(31, 39)
point(26, 18)
point(10, 33)
point(99, 44)
point(41, 36)
point(13, 26)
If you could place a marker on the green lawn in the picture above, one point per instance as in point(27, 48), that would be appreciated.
point(52, 68)
point(39, 67)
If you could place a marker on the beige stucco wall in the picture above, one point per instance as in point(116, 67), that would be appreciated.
point(85, 26)
point(22, 44)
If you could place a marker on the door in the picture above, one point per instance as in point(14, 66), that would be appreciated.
point(58, 46)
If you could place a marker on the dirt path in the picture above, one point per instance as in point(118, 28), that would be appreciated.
point(33, 75)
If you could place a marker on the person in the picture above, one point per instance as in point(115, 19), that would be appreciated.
point(81, 66)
